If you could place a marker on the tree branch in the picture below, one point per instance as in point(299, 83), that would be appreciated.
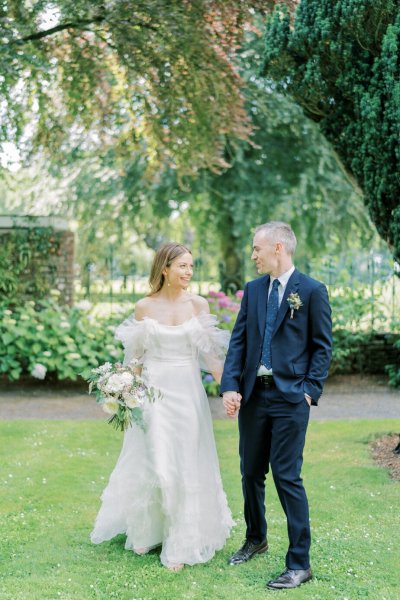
point(81, 24)
point(46, 32)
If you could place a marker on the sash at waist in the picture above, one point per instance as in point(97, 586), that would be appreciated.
point(175, 360)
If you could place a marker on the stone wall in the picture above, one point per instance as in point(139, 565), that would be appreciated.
point(54, 263)
point(377, 352)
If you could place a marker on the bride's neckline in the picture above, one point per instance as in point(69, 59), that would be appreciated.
point(166, 324)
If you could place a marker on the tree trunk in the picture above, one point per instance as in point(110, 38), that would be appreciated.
point(231, 268)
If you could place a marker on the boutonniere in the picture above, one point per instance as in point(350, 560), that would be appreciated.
point(294, 302)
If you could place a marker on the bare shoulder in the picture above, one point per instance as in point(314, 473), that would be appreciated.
point(200, 304)
point(142, 308)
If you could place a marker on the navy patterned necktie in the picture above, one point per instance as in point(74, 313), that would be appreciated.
point(272, 311)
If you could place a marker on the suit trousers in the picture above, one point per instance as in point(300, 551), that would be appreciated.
point(272, 432)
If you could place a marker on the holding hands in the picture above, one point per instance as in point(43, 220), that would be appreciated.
point(231, 401)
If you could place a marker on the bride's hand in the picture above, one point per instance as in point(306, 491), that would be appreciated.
point(231, 401)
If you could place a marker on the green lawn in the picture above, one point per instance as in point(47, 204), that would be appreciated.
point(52, 474)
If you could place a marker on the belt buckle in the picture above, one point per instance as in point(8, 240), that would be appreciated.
point(267, 381)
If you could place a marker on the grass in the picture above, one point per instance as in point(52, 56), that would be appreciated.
point(52, 474)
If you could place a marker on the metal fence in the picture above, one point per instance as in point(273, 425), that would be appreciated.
point(376, 273)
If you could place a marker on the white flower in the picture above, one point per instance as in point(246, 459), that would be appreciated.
point(8, 312)
point(83, 305)
point(47, 353)
point(117, 382)
point(24, 318)
point(39, 371)
point(130, 399)
point(40, 327)
point(110, 406)
point(64, 325)
point(103, 368)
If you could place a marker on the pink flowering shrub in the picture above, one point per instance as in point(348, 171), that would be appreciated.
point(226, 309)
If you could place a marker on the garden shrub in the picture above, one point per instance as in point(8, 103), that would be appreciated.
point(46, 339)
point(394, 370)
point(64, 342)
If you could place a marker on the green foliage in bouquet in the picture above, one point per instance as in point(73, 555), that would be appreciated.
point(45, 338)
point(122, 393)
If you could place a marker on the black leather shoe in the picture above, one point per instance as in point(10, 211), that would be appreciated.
point(290, 579)
point(247, 551)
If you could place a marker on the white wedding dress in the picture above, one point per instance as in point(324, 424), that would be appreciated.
point(166, 487)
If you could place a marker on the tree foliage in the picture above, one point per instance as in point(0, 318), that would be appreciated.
point(148, 74)
point(288, 172)
point(340, 61)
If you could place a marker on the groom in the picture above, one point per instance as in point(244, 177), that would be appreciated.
point(276, 365)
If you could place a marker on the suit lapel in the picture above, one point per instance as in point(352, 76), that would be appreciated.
point(291, 286)
point(262, 304)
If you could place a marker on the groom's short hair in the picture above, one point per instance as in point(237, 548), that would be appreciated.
point(279, 231)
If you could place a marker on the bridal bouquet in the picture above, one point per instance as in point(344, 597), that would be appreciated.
point(121, 393)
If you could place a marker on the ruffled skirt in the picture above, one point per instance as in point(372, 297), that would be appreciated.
point(166, 487)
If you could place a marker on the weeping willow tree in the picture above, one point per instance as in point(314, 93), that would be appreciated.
point(151, 75)
point(340, 61)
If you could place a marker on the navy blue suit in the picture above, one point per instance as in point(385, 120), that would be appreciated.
point(273, 422)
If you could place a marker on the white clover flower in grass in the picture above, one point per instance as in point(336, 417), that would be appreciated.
point(24, 318)
point(40, 328)
point(47, 353)
point(64, 324)
point(8, 312)
point(39, 371)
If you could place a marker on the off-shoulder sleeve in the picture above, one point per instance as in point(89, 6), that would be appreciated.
point(133, 335)
point(210, 342)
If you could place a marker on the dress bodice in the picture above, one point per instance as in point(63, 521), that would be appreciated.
point(169, 342)
point(197, 338)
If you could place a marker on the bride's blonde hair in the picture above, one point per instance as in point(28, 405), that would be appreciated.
point(163, 258)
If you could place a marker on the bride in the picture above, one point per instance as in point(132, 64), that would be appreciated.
point(166, 487)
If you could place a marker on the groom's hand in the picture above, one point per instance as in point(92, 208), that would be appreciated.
point(231, 401)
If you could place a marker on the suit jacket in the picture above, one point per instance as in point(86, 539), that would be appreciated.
point(300, 346)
